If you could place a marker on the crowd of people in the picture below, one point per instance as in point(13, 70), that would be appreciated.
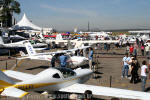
point(131, 65)
point(132, 49)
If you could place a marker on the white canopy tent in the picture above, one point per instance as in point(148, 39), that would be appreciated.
point(25, 24)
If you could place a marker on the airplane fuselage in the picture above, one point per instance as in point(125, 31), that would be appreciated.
point(49, 81)
point(73, 60)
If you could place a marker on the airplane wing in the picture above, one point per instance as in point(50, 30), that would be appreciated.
point(106, 91)
point(14, 92)
point(63, 51)
point(18, 75)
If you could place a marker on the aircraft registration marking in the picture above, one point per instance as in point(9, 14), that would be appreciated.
point(32, 86)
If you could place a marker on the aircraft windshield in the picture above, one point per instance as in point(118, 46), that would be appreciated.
point(66, 72)
point(34, 41)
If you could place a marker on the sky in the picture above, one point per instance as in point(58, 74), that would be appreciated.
point(101, 14)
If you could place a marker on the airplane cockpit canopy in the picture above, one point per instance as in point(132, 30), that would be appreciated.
point(34, 41)
point(66, 72)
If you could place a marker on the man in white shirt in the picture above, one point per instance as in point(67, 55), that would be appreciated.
point(147, 50)
point(125, 63)
point(144, 70)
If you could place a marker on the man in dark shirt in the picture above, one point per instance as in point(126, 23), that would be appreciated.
point(53, 61)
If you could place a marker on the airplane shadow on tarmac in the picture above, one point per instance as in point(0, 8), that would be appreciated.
point(96, 75)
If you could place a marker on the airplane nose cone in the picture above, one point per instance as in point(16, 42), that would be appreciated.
point(89, 71)
point(83, 71)
point(86, 59)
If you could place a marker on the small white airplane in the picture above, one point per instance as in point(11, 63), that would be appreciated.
point(72, 60)
point(59, 79)
point(100, 35)
point(79, 43)
point(18, 44)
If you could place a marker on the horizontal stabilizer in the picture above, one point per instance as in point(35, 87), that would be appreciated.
point(38, 49)
point(14, 92)
point(106, 91)
point(23, 58)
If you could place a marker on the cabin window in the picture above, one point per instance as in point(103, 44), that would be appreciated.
point(56, 75)
point(66, 72)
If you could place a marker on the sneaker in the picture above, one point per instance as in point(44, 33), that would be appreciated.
point(126, 76)
point(122, 76)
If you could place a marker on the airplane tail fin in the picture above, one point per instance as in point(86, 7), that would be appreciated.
point(77, 45)
point(30, 49)
point(59, 37)
point(5, 81)
point(1, 40)
point(41, 36)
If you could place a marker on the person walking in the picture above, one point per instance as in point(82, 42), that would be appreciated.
point(90, 58)
point(144, 70)
point(131, 49)
point(142, 50)
point(125, 63)
point(147, 50)
point(135, 50)
point(53, 61)
point(127, 47)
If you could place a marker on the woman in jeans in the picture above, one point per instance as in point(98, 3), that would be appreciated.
point(144, 70)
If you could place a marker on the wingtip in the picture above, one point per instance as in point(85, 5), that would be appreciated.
point(3, 70)
point(23, 94)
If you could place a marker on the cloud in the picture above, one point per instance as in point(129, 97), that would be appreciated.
point(76, 11)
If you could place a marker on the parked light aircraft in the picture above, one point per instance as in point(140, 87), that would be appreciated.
point(74, 60)
point(101, 35)
point(79, 43)
point(18, 44)
point(59, 79)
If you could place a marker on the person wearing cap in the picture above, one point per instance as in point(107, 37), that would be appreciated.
point(125, 63)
